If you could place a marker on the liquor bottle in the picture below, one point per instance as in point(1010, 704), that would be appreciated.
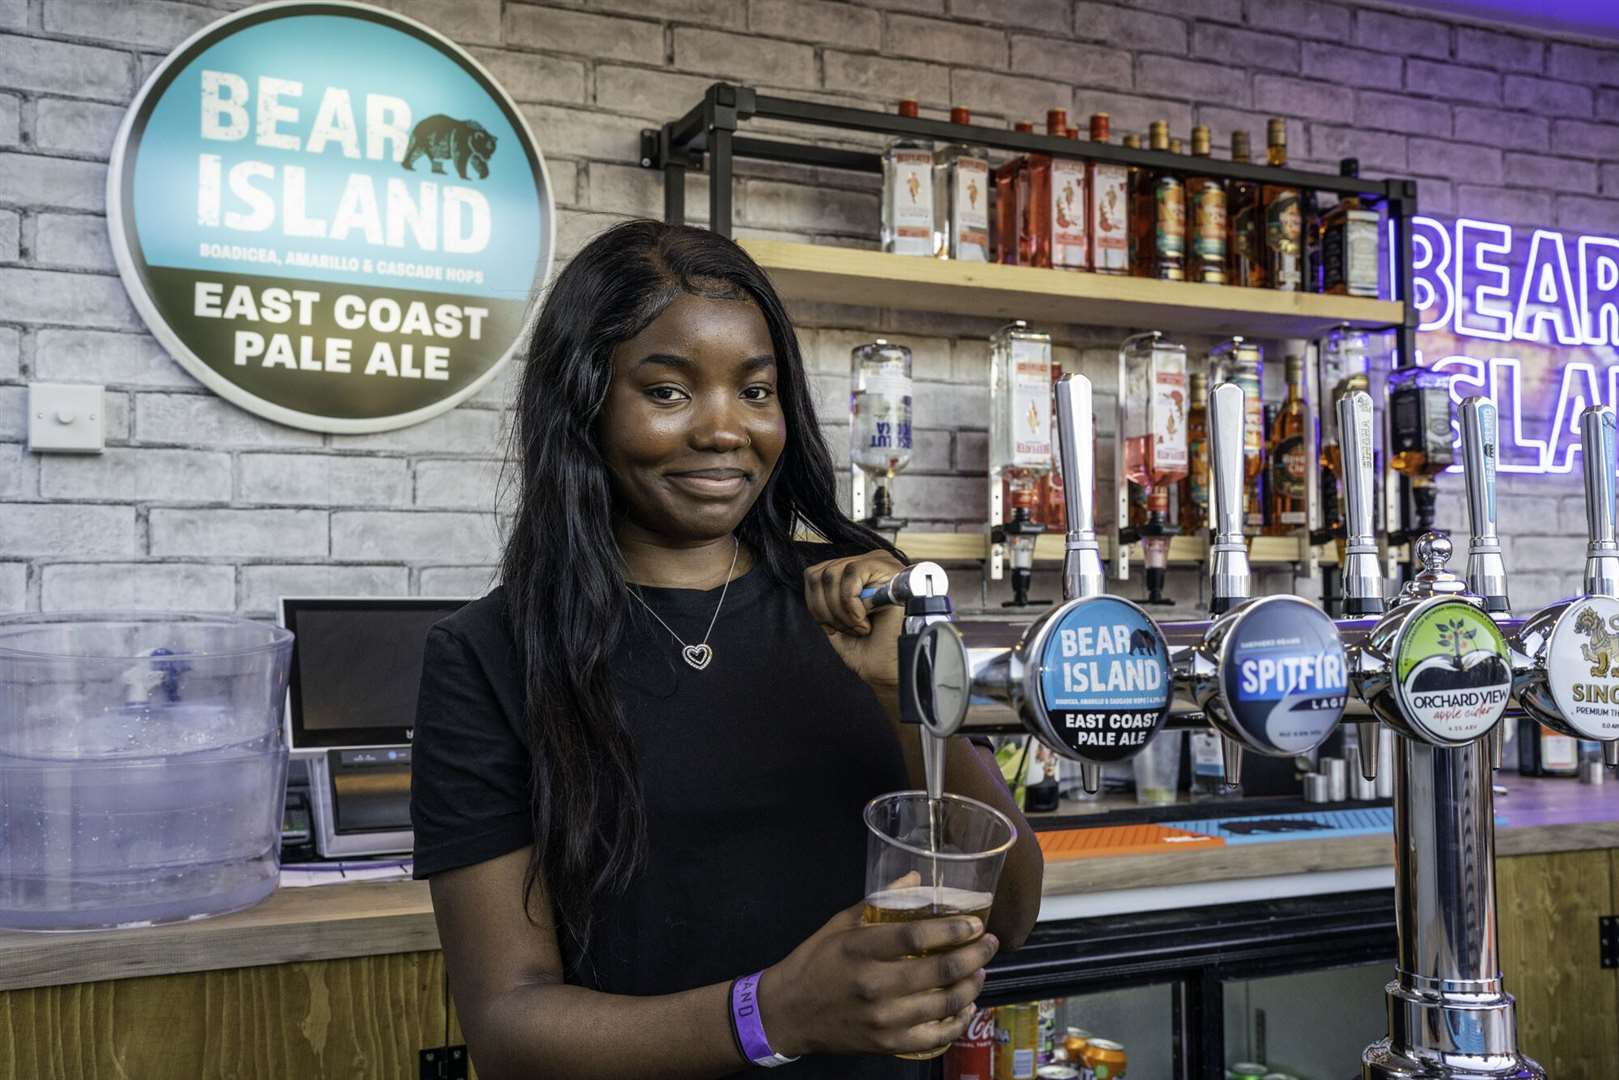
point(880, 421)
point(961, 197)
point(1206, 206)
point(1289, 453)
point(908, 227)
point(1194, 491)
point(1344, 367)
point(1107, 200)
point(1054, 511)
point(1281, 202)
point(1020, 441)
point(1420, 432)
point(1138, 215)
point(1349, 243)
point(1168, 220)
point(1011, 201)
point(1155, 450)
point(1056, 215)
point(1309, 241)
point(1242, 362)
point(1245, 237)
point(1070, 233)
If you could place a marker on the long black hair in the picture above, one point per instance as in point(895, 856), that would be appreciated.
point(564, 578)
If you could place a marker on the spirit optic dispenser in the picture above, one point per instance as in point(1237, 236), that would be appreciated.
point(1152, 426)
point(879, 431)
point(1019, 450)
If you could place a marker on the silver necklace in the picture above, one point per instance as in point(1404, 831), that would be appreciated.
point(698, 655)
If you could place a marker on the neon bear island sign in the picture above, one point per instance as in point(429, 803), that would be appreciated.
point(1526, 317)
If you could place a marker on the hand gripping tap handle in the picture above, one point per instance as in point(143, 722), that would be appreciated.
point(1598, 446)
point(1362, 575)
point(1228, 554)
point(917, 581)
point(1082, 559)
point(1486, 568)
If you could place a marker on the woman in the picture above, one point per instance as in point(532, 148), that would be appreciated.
point(640, 764)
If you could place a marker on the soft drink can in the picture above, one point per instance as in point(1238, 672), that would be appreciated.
point(972, 1056)
point(1105, 1059)
point(1048, 1032)
point(1017, 1040)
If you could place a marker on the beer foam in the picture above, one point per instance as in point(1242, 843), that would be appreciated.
point(914, 897)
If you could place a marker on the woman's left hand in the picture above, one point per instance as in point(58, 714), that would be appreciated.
point(868, 641)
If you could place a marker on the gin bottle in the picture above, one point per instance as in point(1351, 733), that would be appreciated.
point(908, 225)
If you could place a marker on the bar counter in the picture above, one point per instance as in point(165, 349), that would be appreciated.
point(362, 919)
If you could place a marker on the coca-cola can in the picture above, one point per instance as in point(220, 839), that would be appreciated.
point(971, 1056)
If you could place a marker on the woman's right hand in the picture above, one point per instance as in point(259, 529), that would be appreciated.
point(853, 988)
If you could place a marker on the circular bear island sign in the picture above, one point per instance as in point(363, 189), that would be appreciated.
point(330, 215)
point(1452, 679)
point(1104, 678)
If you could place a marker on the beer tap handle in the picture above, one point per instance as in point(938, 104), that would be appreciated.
point(1228, 554)
point(918, 581)
point(1598, 446)
point(1486, 568)
point(1363, 578)
point(1082, 558)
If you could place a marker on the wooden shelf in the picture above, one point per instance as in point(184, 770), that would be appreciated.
point(1183, 550)
point(851, 276)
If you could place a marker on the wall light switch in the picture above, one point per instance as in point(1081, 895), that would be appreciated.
point(65, 418)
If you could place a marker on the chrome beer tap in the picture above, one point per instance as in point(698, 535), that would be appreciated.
point(1090, 678)
point(924, 590)
point(1486, 569)
point(1437, 668)
point(1230, 577)
point(1362, 572)
point(1569, 678)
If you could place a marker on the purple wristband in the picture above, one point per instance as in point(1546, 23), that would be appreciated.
point(750, 1031)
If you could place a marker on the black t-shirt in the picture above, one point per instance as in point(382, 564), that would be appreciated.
point(754, 772)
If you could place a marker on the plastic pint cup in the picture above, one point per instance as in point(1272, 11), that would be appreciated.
point(926, 866)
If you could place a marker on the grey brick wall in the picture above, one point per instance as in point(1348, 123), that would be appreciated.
point(198, 504)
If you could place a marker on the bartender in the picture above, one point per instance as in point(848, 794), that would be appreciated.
point(641, 763)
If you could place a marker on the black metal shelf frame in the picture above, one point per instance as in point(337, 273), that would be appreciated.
point(707, 138)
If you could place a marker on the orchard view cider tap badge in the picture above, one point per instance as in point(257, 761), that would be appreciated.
point(1582, 666)
point(1104, 678)
point(1451, 673)
point(330, 215)
point(1285, 676)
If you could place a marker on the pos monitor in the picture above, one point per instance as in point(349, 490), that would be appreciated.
point(351, 704)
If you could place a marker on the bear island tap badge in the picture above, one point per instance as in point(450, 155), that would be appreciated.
point(1104, 678)
point(330, 215)
point(1451, 672)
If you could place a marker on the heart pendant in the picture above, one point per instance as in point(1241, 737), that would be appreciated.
point(698, 656)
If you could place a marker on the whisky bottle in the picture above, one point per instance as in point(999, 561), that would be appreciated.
point(1281, 216)
point(1419, 432)
point(1349, 243)
point(1168, 215)
point(1242, 362)
point(1107, 199)
point(1245, 237)
point(908, 226)
point(1011, 202)
point(1206, 203)
point(1289, 458)
point(961, 197)
point(1194, 491)
point(1138, 215)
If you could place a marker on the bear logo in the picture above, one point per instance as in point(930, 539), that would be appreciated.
point(443, 138)
point(1142, 643)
